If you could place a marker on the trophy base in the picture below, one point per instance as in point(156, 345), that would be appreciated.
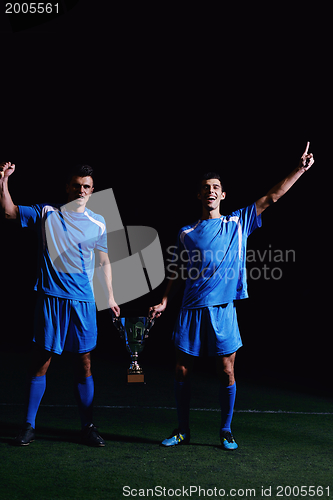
point(136, 378)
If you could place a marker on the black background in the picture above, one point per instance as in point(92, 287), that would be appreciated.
point(151, 98)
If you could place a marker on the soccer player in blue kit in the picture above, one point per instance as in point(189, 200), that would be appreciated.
point(65, 317)
point(215, 249)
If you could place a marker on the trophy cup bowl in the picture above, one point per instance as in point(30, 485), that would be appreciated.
point(134, 330)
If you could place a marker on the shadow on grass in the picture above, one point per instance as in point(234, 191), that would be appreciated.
point(9, 431)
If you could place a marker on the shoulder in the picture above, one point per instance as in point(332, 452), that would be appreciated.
point(48, 207)
point(189, 226)
point(95, 218)
point(187, 229)
point(247, 217)
point(40, 208)
point(34, 215)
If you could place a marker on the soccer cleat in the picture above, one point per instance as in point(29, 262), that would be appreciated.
point(90, 437)
point(177, 438)
point(25, 436)
point(227, 441)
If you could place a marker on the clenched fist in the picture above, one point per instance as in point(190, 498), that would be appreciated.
point(6, 169)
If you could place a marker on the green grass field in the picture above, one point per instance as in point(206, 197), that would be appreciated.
point(278, 454)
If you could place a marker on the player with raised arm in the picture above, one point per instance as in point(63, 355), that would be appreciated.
point(216, 276)
point(65, 317)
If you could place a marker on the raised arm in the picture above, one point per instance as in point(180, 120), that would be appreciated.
point(280, 189)
point(7, 207)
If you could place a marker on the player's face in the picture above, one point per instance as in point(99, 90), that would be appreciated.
point(211, 194)
point(79, 191)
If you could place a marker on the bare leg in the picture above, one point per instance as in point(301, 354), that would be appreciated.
point(227, 395)
point(84, 388)
point(184, 366)
point(225, 367)
point(40, 363)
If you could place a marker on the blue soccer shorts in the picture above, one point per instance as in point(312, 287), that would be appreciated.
point(214, 327)
point(65, 325)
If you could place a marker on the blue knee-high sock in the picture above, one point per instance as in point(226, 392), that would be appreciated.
point(35, 394)
point(227, 396)
point(182, 395)
point(84, 393)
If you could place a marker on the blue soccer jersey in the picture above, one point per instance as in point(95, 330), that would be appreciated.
point(214, 252)
point(67, 241)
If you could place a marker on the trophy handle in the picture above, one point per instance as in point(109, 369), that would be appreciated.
point(121, 329)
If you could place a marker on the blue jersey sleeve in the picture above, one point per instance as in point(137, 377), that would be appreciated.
point(180, 253)
point(30, 216)
point(179, 248)
point(102, 242)
point(249, 219)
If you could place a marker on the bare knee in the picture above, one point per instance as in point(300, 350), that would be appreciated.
point(225, 369)
point(40, 363)
point(43, 369)
point(227, 377)
point(182, 373)
point(83, 366)
point(183, 366)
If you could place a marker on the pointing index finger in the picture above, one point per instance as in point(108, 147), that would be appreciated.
point(307, 148)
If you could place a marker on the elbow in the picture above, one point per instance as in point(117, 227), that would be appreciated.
point(265, 203)
point(11, 214)
point(272, 199)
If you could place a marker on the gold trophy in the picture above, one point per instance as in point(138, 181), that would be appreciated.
point(134, 331)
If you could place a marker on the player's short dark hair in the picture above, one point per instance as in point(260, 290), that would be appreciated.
point(80, 171)
point(210, 175)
